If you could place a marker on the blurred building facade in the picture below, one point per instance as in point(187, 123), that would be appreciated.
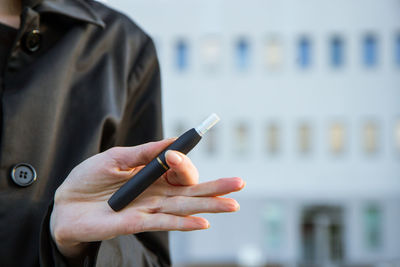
point(309, 96)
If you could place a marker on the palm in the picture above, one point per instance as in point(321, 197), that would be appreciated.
point(81, 212)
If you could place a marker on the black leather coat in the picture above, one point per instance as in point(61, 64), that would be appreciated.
point(79, 78)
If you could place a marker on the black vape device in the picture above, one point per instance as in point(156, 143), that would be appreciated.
point(158, 166)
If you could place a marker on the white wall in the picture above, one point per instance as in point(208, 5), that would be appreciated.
point(320, 95)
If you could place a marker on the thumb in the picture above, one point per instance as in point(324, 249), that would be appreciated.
point(130, 157)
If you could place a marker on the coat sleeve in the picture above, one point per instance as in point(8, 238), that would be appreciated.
point(141, 122)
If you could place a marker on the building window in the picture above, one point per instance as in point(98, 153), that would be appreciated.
point(370, 138)
point(181, 55)
point(211, 53)
point(273, 53)
point(272, 138)
point(370, 50)
point(304, 138)
point(273, 218)
point(397, 50)
point(304, 52)
point(241, 139)
point(337, 52)
point(242, 54)
point(397, 136)
point(372, 227)
point(322, 234)
point(337, 138)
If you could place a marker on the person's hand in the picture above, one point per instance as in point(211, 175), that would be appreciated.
point(81, 213)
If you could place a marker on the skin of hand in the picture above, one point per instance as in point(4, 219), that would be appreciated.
point(81, 213)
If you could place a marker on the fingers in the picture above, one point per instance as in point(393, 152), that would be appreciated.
point(129, 157)
point(183, 206)
point(168, 222)
point(202, 198)
point(125, 225)
point(218, 187)
point(173, 215)
point(182, 171)
point(173, 212)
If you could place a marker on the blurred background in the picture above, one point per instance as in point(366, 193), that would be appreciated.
point(309, 96)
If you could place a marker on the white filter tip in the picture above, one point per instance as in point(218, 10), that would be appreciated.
point(207, 124)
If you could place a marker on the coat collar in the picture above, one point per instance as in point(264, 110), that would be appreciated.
point(75, 9)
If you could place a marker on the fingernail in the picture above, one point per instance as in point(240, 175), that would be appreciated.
point(207, 225)
point(232, 206)
point(173, 157)
point(241, 183)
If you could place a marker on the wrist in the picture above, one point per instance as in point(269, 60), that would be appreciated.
point(70, 249)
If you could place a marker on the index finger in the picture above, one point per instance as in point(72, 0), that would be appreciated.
point(129, 157)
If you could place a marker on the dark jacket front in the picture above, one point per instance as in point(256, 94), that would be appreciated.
point(79, 79)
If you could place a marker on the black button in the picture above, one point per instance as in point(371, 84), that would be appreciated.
point(32, 40)
point(23, 174)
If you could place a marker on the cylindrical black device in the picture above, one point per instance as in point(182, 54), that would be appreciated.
point(152, 171)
